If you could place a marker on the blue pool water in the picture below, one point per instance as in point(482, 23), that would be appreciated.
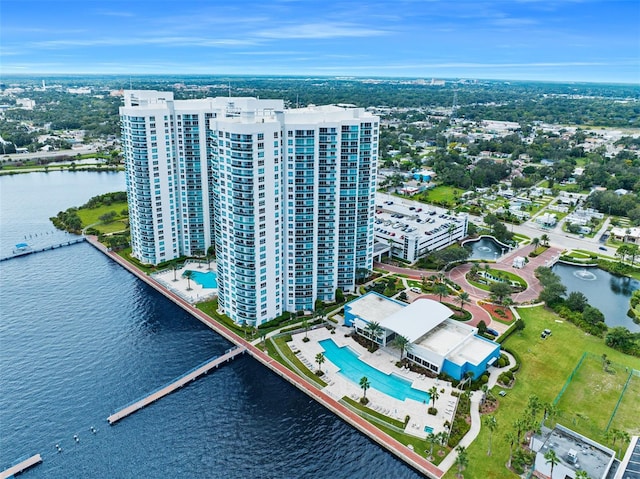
point(206, 280)
point(354, 369)
point(428, 429)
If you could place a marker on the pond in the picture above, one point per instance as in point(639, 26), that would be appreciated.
point(485, 248)
point(605, 291)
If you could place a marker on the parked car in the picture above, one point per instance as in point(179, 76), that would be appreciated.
point(493, 332)
point(416, 290)
point(545, 333)
point(602, 248)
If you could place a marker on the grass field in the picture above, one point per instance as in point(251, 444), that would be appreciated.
point(591, 396)
point(92, 216)
point(546, 364)
point(443, 195)
point(626, 417)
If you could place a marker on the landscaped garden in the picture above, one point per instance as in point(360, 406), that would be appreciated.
point(545, 366)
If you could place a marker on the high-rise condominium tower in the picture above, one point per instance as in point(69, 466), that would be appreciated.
point(286, 196)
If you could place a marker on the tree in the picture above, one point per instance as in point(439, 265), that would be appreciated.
point(492, 424)
point(174, 267)
point(433, 394)
point(463, 298)
point(576, 301)
point(462, 459)
point(402, 343)
point(592, 315)
point(432, 439)
point(320, 361)
point(535, 242)
point(545, 239)
point(499, 291)
point(188, 274)
point(511, 439)
point(441, 289)
point(582, 474)
point(551, 458)
point(364, 385)
point(373, 329)
point(620, 338)
point(553, 293)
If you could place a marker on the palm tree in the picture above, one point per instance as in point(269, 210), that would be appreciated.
point(174, 266)
point(433, 394)
point(364, 385)
point(582, 474)
point(462, 460)
point(535, 242)
point(188, 274)
point(441, 290)
point(622, 435)
point(320, 360)
point(552, 458)
point(450, 230)
point(402, 343)
point(374, 329)
point(432, 439)
point(511, 439)
point(463, 298)
point(305, 325)
point(545, 239)
point(492, 423)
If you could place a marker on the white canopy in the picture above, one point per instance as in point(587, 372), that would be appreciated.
point(417, 319)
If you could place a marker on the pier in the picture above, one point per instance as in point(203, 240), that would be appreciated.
point(400, 450)
point(17, 253)
point(177, 384)
point(21, 466)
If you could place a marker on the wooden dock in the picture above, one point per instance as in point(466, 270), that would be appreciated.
point(18, 468)
point(177, 384)
point(26, 252)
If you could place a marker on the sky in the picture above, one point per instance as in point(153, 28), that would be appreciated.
point(545, 40)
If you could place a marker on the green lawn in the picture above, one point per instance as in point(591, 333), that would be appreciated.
point(443, 195)
point(591, 396)
point(627, 414)
point(546, 364)
point(91, 216)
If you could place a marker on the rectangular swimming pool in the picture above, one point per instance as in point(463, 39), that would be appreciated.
point(354, 369)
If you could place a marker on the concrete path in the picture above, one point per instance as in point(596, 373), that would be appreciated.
point(449, 461)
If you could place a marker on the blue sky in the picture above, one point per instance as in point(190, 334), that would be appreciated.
point(558, 40)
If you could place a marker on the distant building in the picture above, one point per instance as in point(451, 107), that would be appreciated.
point(412, 229)
point(627, 235)
point(424, 175)
point(438, 343)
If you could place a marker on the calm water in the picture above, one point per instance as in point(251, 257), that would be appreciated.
point(609, 293)
point(485, 248)
point(80, 337)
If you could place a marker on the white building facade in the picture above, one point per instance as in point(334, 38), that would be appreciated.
point(286, 196)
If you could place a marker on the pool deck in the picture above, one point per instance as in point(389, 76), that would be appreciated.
point(180, 286)
point(400, 450)
point(384, 360)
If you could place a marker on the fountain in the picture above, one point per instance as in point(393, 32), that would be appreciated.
point(485, 248)
point(585, 275)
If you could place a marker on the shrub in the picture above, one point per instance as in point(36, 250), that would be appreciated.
point(433, 411)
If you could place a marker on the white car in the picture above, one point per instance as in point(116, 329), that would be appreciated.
point(416, 290)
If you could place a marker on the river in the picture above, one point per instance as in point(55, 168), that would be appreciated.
point(81, 337)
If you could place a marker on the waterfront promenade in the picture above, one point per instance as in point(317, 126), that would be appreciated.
point(400, 450)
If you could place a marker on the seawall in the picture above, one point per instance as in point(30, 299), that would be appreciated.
point(400, 450)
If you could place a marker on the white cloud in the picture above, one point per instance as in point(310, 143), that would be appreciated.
point(320, 30)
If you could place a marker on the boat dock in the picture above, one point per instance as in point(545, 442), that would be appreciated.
point(168, 389)
point(27, 251)
point(21, 466)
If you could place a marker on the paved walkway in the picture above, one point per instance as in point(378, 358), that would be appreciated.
point(476, 420)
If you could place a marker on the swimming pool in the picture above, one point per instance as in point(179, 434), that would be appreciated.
point(354, 369)
point(207, 280)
